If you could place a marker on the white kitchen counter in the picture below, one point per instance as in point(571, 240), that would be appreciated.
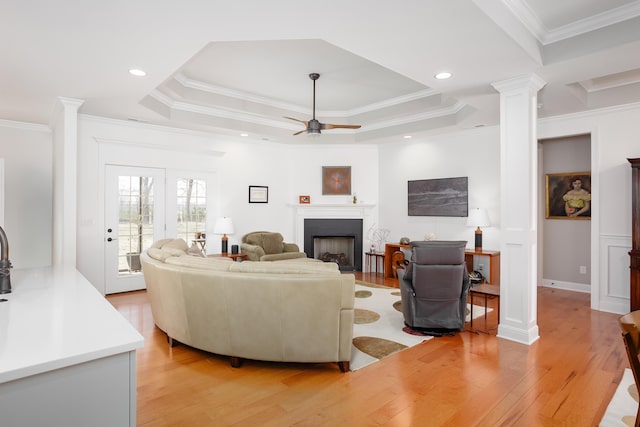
point(59, 334)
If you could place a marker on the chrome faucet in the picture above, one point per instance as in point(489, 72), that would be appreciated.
point(5, 264)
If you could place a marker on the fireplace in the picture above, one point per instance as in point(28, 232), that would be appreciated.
point(335, 240)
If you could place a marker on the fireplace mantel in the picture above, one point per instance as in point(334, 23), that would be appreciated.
point(362, 211)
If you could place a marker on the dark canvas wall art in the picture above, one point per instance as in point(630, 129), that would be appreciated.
point(439, 197)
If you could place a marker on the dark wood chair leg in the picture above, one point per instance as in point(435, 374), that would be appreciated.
point(344, 366)
point(236, 362)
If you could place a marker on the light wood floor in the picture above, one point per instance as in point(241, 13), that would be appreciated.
point(565, 379)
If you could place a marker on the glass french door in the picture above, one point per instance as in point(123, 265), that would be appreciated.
point(134, 219)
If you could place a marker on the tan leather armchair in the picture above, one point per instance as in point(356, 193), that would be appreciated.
point(268, 246)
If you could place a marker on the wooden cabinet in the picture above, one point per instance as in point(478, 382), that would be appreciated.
point(389, 249)
point(469, 254)
point(494, 263)
point(635, 235)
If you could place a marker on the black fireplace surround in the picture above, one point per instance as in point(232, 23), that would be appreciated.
point(315, 228)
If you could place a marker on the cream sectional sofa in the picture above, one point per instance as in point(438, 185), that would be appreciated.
point(288, 311)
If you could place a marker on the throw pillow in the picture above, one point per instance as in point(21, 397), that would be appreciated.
point(194, 250)
point(178, 244)
point(160, 243)
point(272, 243)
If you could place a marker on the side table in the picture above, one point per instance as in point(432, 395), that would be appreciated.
point(235, 257)
point(376, 256)
point(488, 291)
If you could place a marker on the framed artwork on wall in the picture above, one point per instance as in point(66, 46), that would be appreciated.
point(568, 195)
point(438, 197)
point(258, 194)
point(336, 180)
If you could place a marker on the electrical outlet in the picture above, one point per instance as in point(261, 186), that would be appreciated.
point(583, 269)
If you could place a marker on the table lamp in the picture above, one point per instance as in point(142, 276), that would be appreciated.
point(224, 226)
point(478, 217)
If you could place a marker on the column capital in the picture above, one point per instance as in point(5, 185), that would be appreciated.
point(531, 82)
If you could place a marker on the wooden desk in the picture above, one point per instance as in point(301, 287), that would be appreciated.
point(469, 254)
point(235, 257)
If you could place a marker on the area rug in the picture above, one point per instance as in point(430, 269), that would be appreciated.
point(379, 330)
point(624, 404)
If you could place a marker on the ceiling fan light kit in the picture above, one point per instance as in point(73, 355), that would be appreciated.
point(313, 126)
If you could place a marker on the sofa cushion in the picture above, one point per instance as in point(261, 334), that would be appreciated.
point(216, 264)
point(272, 243)
point(158, 254)
point(194, 250)
point(283, 267)
point(158, 244)
point(173, 251)
point(177, 244)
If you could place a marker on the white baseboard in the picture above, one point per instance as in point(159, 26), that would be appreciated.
point(568, 286)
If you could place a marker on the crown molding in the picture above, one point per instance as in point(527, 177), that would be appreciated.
point(236, 94)
point(595, 22)
point(528, 18)
point(531, 21)
point(261, 120)
point(590, 113)
point(246, 96)
point(448, 111)
point(154, 146)
point(24, 126)
point(140, 124)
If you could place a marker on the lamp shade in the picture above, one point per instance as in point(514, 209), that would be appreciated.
point(223, 226)
point(478, 217)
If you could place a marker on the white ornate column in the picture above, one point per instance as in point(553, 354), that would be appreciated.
point(65, 177)
point(518, 201)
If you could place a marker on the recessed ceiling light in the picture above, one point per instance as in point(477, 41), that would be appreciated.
point(443, 76)
point(138, 73)
point(244, 134)
point(407, 137)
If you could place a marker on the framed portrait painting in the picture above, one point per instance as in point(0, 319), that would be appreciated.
point(568, 195)
point(336, 180)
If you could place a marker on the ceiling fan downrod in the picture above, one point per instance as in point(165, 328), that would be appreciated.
point(314, 77)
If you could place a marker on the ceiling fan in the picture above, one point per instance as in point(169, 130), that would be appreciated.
point(313, 126)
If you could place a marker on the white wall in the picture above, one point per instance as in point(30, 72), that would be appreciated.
point(473, 153)
point(613, 139)
point(28, 174)
point(287, 171)
point(380, 176)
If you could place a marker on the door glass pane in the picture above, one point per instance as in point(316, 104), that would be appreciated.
point(135, 221)
point(192, 210)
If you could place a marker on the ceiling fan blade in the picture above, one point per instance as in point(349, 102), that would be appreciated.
point(306, 123)
point(299, 132)
point(332, 126)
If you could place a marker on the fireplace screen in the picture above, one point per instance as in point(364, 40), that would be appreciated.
point(335, 249)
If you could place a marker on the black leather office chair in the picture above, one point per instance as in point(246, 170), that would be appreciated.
point(434, 287)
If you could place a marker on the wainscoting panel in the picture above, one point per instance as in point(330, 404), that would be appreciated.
point(614, 273)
